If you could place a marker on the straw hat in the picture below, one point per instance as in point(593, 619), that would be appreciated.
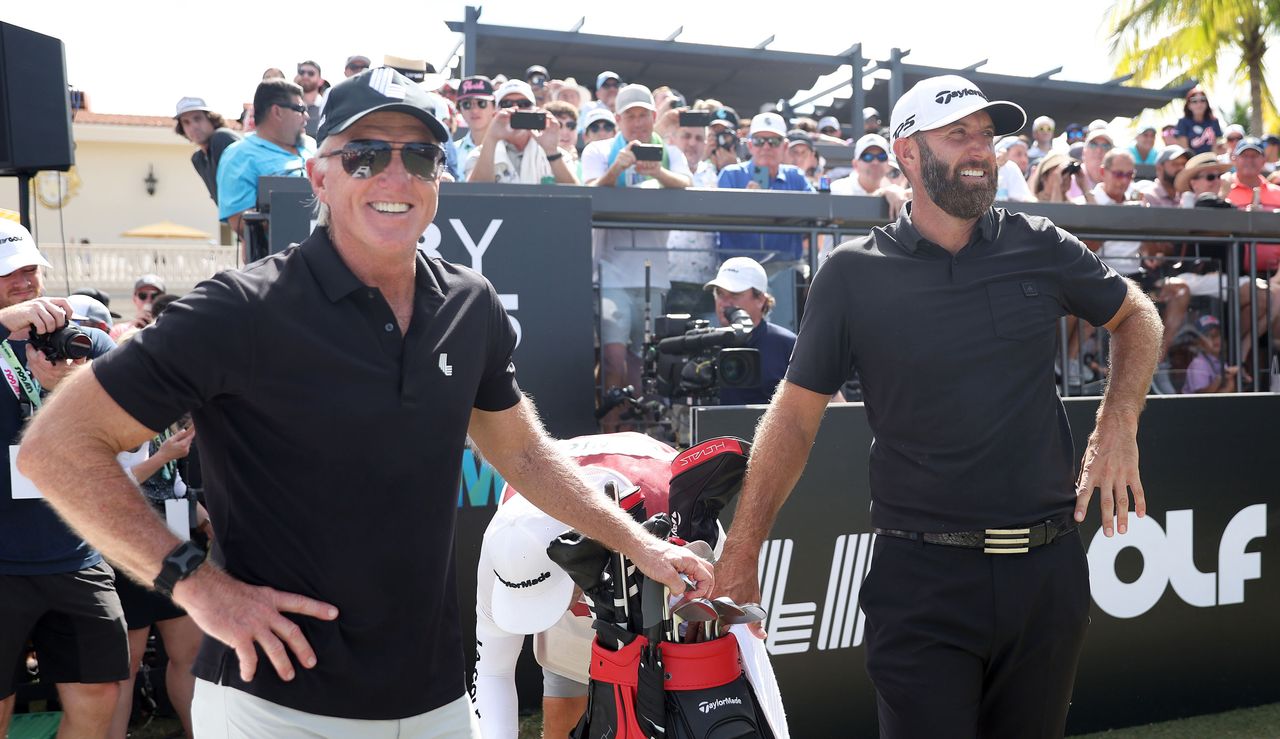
point(1198, 164)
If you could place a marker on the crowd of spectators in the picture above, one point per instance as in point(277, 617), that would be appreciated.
point(537, 129)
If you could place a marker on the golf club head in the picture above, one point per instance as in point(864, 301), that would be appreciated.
point(701, 549)
point(705, 478)
point(586, 560)
point(727, 609)
point(696, 610)
point(753, 612)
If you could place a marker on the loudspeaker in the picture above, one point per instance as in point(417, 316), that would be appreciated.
point(35, 106)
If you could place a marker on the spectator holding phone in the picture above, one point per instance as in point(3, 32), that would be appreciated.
point(522, 146)
point(764, 171)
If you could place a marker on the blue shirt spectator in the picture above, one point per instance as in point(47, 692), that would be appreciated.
point(247, 160)
point(789, 246)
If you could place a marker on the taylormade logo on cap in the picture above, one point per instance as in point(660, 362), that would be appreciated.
point(524, 583)
point(937, 101)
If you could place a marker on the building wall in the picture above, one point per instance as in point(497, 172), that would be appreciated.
point(112, 162)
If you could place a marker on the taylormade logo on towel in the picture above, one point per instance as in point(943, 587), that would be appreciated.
point(709, 706)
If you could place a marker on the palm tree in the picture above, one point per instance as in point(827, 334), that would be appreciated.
point(1185, 39)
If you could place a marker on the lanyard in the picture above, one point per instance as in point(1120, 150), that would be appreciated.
point(16, 375)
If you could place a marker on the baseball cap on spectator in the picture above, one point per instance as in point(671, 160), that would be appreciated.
point(17, 248)
point(357, 97)
point(738, 274)
point(633, 96)
point(476, 86)
point(149, 280)
point(868, 141)
point(1043, 121)
point(829, 121)
point(530, 592)
point(1198, 164)
point(868, 113)
point(414, 69)
point(85, 308)
point(934, 102)
point(1008, 142)
point(516, 87)
point(597, 114)
point(358, 60)
point(1207, 323)
point(725, 116)
point(796, 136)
point(1147, 128)
point(1249, 143)
point(99, 296)
point(1173, 151)
point(1099, 133)
point(1233, 129)
point(186, 105)
point(536, 69)
point(605, 76)
point(1097, 124)
point(768, 123)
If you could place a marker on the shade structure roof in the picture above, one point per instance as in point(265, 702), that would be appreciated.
point(166, 230)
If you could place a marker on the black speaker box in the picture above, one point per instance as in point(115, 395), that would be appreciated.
point(35, 106)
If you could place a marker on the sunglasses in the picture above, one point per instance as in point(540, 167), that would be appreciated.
point(147, 295)
point(599, 126)
point(469, 104)
point(308, 73)
point(1121, 175)
point(365, 159)
point(871, 156)
point(1210, 177)
point(521, 103)
point(295, 107)
point(770, 141)
point(1100, 145)
point(1044, 129)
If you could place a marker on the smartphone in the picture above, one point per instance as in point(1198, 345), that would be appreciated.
point(761, 176)
point(529, 120)
point(1071, 168)
point(695, 118)
point(647, 152)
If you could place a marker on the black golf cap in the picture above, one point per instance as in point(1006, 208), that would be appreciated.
point(373, 90)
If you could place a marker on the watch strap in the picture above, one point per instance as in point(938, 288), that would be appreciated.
point(178, 566)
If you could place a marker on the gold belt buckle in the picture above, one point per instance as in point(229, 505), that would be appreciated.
point(1007, 541)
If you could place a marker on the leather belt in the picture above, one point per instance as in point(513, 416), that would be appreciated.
point(1008, 540)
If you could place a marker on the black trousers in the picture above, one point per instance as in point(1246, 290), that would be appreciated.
point(966, 644)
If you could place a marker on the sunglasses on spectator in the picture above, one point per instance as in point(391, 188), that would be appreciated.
point(1101, 145)
point(521, 103)
point(295, 107)
point(1121, 175)
point(599, 126)
point(147, 295)
point(770, 141)
point(367, 158)
point(1044, 129)
point(308, 72)
point(1073, 136)
point(468, 104)
point(871, 156)
point(1210, 177)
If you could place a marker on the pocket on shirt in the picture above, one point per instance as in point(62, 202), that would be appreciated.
point(1018, 310)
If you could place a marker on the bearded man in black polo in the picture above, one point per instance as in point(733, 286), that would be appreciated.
point(977, 603)
point(331, 469)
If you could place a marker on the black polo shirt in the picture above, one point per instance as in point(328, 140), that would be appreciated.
point(956, 360)
point(331, 448)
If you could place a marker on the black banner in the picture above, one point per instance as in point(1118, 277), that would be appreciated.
point(1182, 621)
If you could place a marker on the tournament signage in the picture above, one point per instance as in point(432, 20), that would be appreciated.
point(1183, 605)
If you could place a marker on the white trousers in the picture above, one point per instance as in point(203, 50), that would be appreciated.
point(220, 712)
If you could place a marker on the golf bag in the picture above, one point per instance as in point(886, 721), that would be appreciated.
point(704, 693)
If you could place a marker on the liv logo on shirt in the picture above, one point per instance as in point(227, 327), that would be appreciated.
point(445, 367)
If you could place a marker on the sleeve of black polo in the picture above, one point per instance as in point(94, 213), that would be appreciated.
point(823, 356)
point(498, 389)
point(198, 349)
point(1090, 289)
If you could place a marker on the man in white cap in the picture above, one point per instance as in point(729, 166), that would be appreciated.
point(977, 604)
point(871, 120)
point(635, 157)
point(519, 155)
point(54, 588)
point(1042, 132)
point(329, 610)
point(742, 284)
point(767, 142)
point(204, 127)
point(870, 165)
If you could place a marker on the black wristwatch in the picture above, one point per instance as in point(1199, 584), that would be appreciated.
point(553, 157)
point(178, 566)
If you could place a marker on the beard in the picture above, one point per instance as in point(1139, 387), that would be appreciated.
point(950, 192)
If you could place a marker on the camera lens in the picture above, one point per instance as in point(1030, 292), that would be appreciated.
point(732, 370)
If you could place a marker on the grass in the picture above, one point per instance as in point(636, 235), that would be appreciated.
point(1247, 723)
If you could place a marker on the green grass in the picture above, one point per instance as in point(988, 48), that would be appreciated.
point(1262, 722)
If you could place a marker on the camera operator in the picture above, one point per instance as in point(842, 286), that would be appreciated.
point(722, 141)
point(741, 283)
point(54, 588)
point(514, 155)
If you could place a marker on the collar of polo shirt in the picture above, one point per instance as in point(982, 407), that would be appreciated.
point(911, 239)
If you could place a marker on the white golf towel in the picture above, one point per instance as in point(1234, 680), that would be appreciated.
point(759, 671)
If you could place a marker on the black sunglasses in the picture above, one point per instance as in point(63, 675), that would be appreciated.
point(147, 295)
point(469, 103)
point(599, 126)
point(365, 159)
point(295, 107)
point(521, 103)
point(871, 156)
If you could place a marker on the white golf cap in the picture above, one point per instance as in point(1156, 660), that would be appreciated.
point(768, 123)
point(515, 87)
point(738, 274)
point(597, 114)
point(530, 592)
point(828, 122)
point(1008, 142)
point(633, 96)
point(937, 101)
point(188, 104)
point(868, 141)
point(17, 248)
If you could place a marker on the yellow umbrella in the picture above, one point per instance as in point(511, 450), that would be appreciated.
point(166, 230)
